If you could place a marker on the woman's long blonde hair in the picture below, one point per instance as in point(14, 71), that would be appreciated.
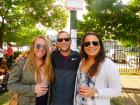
point(30, 61)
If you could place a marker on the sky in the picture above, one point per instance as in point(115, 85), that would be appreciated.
point(125, 1)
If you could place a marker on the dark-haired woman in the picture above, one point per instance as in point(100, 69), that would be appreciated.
point(97, 78)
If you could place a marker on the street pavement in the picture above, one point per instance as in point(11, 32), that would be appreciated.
point(131, 90)
point(130, 82)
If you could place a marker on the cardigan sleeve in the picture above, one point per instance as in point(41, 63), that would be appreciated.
point(14, 83)
point(113, 81)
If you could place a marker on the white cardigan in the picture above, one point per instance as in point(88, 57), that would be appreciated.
point(107, 83)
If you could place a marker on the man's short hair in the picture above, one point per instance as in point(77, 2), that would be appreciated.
point(62, 32)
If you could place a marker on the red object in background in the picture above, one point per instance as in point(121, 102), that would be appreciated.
point(9, 51)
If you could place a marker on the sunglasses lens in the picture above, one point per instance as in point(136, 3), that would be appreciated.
point(95, 43)
point(59, 40)
point(39, 46)
point(65, 39)
point(86, 44)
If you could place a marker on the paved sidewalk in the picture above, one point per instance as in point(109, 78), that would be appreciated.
point(130, 82)
point(131, 90)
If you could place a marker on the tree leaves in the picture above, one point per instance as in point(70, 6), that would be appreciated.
point(21, 16)
point(113, 20)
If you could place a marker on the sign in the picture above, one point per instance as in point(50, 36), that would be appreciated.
point(73, 33)
point(74, 4)
point(74, 39)
point(74, 44)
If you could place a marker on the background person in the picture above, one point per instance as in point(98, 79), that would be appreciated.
point(97, 78)
point(31, 77)
point(65, 64)
point(3, 71)
point(1, 56)
point(9, 55)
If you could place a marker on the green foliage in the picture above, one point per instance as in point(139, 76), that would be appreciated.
point(79, 38)
point(115, 101)
point(19, 18)
point(4, 98)
point(113, 20)
point(24, 35)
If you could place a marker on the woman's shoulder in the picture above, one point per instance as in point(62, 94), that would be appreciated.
point(108, 62)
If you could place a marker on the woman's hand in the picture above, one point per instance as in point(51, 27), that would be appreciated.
point(87, 91)
point(41, 90)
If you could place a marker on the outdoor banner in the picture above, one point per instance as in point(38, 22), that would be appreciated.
point(74, 39)
point(74, 5)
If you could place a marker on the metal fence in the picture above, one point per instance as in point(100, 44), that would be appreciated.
point(126, 58)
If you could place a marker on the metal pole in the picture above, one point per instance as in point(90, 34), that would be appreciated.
point(73, 19)
point(73, 29)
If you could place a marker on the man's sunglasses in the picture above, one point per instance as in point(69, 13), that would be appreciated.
point(95, 43)
point(40, 46)
point(65, 39)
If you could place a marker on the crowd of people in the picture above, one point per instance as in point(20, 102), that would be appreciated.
point(6, 61)
point(61, 76)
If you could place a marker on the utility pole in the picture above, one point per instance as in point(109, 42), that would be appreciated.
point(73, 29)
point(73, 6)
point(73, 19)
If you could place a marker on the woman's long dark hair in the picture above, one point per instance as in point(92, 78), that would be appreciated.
point(98, 59)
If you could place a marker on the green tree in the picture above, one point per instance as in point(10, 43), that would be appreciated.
point(17, 15)
point(113, 20)
point(24, 35)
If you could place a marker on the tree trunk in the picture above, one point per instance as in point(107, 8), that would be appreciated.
point(1, 36)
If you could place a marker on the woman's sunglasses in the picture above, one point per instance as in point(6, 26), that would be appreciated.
point(65, 39)
point(95, 43)
point(40, 46)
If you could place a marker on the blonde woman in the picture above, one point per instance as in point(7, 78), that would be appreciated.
point(31, 77)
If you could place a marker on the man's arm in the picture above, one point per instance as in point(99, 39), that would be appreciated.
point(2, 70)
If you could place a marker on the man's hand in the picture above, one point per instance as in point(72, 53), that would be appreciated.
point(2, 70)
